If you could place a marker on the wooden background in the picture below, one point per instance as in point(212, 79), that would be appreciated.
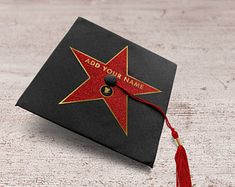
point(197, 35)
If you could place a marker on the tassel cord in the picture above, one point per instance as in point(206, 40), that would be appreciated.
point(183, 178)
point(173, 132)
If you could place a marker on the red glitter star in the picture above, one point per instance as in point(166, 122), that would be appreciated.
point(94, 88)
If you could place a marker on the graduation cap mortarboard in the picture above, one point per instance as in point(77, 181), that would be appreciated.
point(90, 85)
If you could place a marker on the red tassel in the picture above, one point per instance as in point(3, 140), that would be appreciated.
point(183, 178)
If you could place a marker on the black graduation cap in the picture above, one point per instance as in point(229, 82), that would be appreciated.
point(91, 84)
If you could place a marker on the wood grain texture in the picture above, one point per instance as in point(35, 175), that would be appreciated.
point(197, 35)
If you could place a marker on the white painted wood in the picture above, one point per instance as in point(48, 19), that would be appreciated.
point(197, 35)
